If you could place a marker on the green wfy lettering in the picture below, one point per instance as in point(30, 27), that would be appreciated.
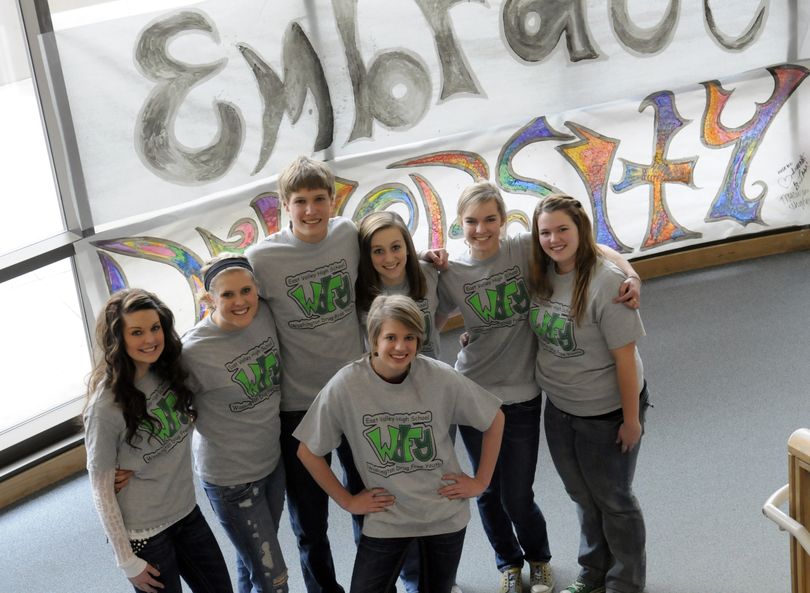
point(329, 294)
point(405, 442)
point(503, 302)
point(170, 420)
point(265, 373)
point(554, 329)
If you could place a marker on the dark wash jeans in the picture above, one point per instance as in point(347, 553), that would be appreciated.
point(309, 508)
point(599, 479)
point(188, 549)
point(379, 560)
point(509, 500)
point(250, 514)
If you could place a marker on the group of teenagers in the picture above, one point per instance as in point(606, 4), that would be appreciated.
point(324, 337)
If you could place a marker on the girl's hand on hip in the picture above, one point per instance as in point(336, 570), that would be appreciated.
point(370, 501)
point(146, 581)
point(462, 486)
point(629, 435)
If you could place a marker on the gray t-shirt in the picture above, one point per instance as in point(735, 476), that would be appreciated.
point(493, 298)
point(428, 305)
point(310, 290)
point(236, 379)
point(574, 363)
point(399, 437)
point(161, 490)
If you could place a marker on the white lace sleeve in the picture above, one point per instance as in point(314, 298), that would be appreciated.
point(102, 483)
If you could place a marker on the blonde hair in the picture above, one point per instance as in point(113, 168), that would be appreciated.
point(240, 262)
point(586, 255)
point(368, 280)
point(305, 173)
point(395, 307)
point(480, 193)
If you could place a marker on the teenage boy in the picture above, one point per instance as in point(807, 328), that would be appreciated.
point(307, 274)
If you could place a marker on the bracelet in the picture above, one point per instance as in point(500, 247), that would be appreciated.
point(636, 276)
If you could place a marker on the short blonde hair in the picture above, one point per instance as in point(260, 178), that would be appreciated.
point(305, 173)
point(395, 307)
point(480, 193)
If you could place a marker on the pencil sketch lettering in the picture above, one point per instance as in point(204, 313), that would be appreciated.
point(395, 90)
point(155, 141)
point(533, 28)
point(302, 71)
point(746, 38)
point(643, 40)
point(456, 75)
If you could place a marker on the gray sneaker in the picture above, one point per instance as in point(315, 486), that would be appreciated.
point(511, 580)
point(541, 578)
point(580, 587)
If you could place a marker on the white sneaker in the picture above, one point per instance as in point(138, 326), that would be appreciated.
point(456, 589)
point(541, 578)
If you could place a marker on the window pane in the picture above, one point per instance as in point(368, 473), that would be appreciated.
point(29, 200)
point(44, 350)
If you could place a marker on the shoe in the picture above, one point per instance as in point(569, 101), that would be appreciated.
point(580, 587)
point(541, 579)
point(456, 589)
point(511, 580)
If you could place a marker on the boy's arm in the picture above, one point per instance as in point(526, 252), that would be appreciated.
point(463, 485)
point(363, 503)
point(630, 289)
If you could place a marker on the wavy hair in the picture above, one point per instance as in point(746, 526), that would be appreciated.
point(368, 285)
point(585, 260)
point(115, 370)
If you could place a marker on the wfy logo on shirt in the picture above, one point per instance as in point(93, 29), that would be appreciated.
point(324, 295)
point(502, 299)
point(401, 442)
point(555, 328)
point(258, 373)
point(172, 425)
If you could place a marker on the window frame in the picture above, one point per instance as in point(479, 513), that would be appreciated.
point(72, 198)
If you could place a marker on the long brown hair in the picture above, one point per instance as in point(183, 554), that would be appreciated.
point(368, 284)
point(585, 261)
point(115, 370)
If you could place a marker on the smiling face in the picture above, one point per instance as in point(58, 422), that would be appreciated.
point(143, 339)
point(395, 349)
point(481, 223)
point(559, 239)
point(309, 210)
point(389, 254)
point(235, 299)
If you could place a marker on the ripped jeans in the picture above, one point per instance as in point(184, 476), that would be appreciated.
point(250, 515)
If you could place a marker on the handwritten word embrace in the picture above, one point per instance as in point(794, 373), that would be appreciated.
point(394, 88)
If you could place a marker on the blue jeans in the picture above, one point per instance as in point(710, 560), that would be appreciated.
point(379, 561)
point(188, 549)
point(599, 479)
point(509, 499)
point(309, 508)
point(250, 515)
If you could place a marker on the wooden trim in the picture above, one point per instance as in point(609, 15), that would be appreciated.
point(722, 253)
point(42, 475)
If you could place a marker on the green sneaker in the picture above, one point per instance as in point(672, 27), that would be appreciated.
point(511, 581)
point(541, 579)
point(580, 587)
